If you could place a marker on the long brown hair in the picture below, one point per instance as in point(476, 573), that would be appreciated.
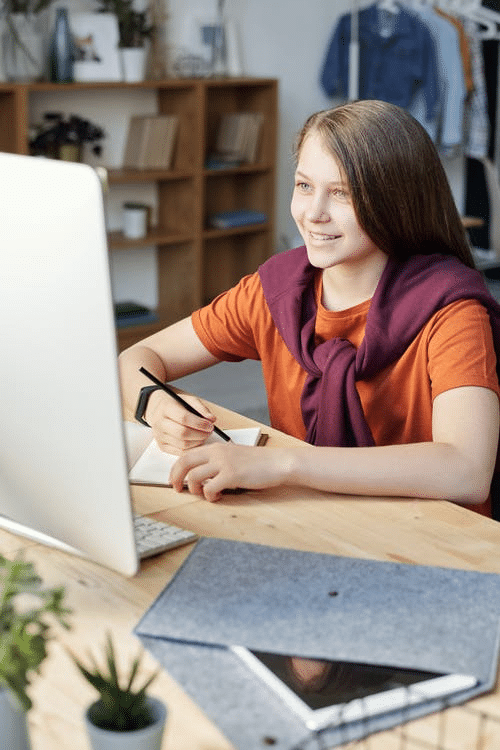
point(399, 188)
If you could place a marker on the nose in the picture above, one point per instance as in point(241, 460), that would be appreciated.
point(317, 209)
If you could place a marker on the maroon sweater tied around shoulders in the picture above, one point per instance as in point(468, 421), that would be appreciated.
point(407, 296)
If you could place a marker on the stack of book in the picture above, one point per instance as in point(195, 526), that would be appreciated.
point(239, 218)
point(150, 142)
point(133, 314)
point(238, 139)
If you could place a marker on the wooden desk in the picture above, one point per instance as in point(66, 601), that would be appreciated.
point(409, 531)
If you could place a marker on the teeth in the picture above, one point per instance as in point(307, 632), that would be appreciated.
point(321, 236)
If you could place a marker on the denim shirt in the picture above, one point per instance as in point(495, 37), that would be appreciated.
point(392, 67)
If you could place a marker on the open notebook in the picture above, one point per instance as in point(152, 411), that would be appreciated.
point(150, 465)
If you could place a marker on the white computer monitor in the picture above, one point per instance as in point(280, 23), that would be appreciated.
point(63, 467)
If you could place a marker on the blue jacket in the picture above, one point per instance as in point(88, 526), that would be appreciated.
point(392, 68)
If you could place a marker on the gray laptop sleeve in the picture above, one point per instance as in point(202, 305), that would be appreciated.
point(319, 606)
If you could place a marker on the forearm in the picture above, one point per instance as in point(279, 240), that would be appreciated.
point(433, 470)
point(132, 380)
point(170, 354)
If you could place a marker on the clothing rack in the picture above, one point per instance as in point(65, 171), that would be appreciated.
point(487, 19)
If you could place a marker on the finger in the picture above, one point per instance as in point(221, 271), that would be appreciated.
point(196, 478)
point(200, 406)
point(181, 416)
point(185, 463)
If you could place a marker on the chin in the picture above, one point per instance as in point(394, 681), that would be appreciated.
point(321, 259)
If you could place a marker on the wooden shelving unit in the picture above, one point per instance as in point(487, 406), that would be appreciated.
point(195, 262)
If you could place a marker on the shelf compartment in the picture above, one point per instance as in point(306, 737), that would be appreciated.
point(255, 95)
point(231, 256)
point(231, 192)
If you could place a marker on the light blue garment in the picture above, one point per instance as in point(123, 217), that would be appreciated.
point(448, 131)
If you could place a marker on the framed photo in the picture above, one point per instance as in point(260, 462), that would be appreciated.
point(96, 40)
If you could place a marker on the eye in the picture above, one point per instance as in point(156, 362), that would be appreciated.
point(302, 186)
point(340, 192)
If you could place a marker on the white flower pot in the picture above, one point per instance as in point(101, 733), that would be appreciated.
point(13, 723)
point(148, 738)
point(133, 63)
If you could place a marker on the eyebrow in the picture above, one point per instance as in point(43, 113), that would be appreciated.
point(342, 183)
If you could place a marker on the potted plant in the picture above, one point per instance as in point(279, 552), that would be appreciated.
point(22, 40)
point(124, 717)
point(27, 612)
point(64, 138)
point(134, 32)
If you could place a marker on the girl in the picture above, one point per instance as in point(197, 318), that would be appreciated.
point(377, 338)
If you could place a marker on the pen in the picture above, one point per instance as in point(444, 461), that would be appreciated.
point(185, 404)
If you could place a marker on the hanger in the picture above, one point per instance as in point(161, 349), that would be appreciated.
point(487, 20)
point(391, 6)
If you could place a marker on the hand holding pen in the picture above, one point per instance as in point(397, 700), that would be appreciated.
point(171, 392)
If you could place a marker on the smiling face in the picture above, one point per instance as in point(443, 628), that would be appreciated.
point(323, 210)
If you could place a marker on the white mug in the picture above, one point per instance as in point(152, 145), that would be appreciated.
point(135, 220)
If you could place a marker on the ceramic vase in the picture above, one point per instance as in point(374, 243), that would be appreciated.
point(22, 44)
point(149, 738)
point(61, 49)
point(13, 723)
point(133, 63)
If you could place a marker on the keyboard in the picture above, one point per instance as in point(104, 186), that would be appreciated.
point(153, 537)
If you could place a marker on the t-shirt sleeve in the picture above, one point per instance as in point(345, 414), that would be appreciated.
point(228, 326)
point(461, 350)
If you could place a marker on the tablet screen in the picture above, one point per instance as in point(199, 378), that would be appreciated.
point(327, 693)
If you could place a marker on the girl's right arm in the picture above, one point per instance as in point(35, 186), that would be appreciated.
point(171, 353)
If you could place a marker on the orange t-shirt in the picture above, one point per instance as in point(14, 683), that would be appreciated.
point(454, 348)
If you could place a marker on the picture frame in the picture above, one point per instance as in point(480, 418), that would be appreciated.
point(96, 39)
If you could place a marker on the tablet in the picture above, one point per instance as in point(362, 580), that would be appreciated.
point(333, 693)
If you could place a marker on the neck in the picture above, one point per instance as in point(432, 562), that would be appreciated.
point(348, 285)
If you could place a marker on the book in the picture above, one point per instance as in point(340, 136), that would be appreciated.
point(148, 464)
point(150, 142)
point(131, 313)
point(239, 218)
point(238, 136)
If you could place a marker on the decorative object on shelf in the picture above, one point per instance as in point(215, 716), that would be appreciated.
point(135, 31)
point(123, 718)
point(158, 51)
point(213, 35)
point(27, 611)
point(136, 219)
point(63, 138)
point(96, 38)
point(234, 63)
point(61, 49)
point(22, 39)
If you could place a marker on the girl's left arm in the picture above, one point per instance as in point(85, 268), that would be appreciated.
point(457, 465)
